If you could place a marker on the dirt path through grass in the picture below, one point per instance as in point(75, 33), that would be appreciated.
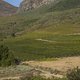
point(44, 40)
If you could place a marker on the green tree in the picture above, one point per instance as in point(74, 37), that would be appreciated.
point(6, 57)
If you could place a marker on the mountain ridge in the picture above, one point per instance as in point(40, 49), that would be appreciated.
point(6, 8)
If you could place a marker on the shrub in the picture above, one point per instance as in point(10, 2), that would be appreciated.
point(13, 34)
point(74, 74)
point(6, 58)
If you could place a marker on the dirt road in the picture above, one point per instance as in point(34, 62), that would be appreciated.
point(61, 64)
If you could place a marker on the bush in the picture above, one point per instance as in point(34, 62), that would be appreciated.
point(13, 35)
point(74, 74)
point(6, 58)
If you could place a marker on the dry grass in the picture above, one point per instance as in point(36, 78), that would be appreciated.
point(60, 64)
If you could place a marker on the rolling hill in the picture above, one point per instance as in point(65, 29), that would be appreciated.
point(50, 31)
point(6, 8)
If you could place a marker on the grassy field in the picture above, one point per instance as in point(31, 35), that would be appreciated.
point(27, 47)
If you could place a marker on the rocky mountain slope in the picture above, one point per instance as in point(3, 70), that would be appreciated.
point(6, 8)
point(32, 4)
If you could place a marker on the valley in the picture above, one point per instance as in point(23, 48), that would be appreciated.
point(45, 36)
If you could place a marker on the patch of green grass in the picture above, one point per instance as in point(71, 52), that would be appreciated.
point(27, 47)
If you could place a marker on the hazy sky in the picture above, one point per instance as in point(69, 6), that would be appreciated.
point(14, 2)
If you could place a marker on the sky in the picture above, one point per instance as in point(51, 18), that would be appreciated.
point(14, 2)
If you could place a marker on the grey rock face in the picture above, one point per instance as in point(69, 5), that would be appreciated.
point(32, 4)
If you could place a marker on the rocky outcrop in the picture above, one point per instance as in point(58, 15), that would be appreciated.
point(32, 4)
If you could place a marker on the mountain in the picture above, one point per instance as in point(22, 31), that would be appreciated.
point(6, 8)
point(55, 5)
point(32, 4)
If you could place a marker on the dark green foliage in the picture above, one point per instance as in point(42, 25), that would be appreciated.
point(13, 35)
point(6, 58)
point(74, 74)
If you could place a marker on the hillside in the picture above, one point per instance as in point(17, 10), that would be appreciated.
point(6, 8)
point(27, 5)
point(51, 5)
point(46, 32)
point(66, 5)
